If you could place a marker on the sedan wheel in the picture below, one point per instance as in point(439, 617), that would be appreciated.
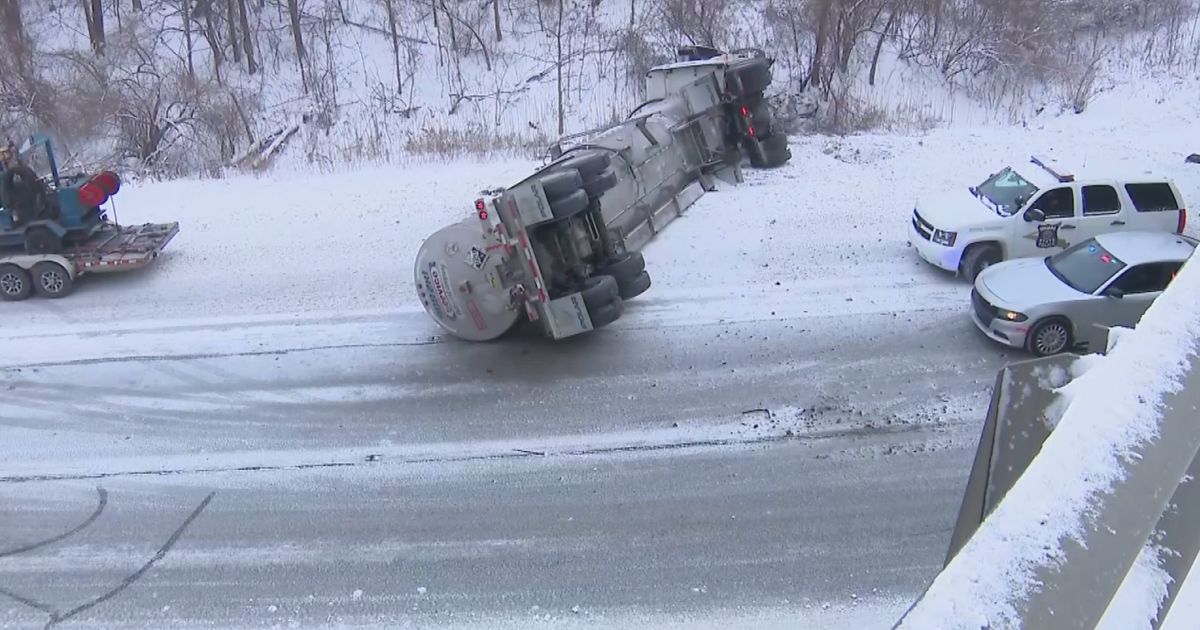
point(1051, 337)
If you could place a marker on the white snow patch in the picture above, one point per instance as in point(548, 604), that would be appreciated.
point(1137, 600)
point(1185, 610)
point(1114, 410)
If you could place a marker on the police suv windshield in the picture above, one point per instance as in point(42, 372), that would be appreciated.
point(1005, 191)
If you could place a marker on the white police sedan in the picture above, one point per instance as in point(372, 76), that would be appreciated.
point(1064, 302)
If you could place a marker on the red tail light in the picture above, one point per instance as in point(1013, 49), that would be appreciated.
point(745, 111)
point(751, 131)
point(1182, 220)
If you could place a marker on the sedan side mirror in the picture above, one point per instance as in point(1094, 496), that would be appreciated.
point(1115, 292)
point(1034, 215)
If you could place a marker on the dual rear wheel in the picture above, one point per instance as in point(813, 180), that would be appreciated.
point(46, 279)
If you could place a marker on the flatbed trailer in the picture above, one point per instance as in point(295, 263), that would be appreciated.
point(111, 249)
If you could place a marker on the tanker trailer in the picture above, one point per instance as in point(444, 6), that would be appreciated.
point(562, 248)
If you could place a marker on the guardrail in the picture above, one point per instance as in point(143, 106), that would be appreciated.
point(1078, 511)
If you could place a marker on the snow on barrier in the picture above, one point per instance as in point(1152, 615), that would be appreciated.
point(1089, 535)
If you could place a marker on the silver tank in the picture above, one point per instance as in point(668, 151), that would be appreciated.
point(459, 285)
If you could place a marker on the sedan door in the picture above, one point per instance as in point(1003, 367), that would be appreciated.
point(1132, 292)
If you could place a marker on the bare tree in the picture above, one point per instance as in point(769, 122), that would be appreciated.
point(93, 14)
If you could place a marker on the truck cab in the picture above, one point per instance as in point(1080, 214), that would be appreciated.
point(1034, 210)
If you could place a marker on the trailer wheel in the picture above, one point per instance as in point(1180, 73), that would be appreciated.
point(40, 240)
point(15, 284)
point(51, 281)
point(636, 286)
point(560, 184)
point(755, 76)
point(606, 314)
point(624, 267)
point(589, 164)
point(570, 205)
point(601, 183)
point(598, 291)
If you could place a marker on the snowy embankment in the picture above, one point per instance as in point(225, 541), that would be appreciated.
point(1114, 410)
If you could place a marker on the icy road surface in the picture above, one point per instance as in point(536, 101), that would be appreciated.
point(705, 533)
point(783, 423)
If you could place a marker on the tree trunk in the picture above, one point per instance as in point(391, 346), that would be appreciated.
point(186, 6)
point(231, 33)
point(879, 46)
point(214, 42)
point(93, 14)
point(496, 17)
point(814, 71)
point(391, 16)
point(247, 38)
point(559, 41)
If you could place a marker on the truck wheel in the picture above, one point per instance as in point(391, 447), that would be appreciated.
point(977, 258)
point(588, 164)
point(40, 240)
point(560, 184)
point(600, 183)
point(624, 267)
point(760, 115)
point(776, 151)
point(606, 314)
point(598, 291)
point(570, 205)
point(635, 287)
point(755, 76)
point(15, 284)
point(51, 281)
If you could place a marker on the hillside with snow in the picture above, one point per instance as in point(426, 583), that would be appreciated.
point(184, 87)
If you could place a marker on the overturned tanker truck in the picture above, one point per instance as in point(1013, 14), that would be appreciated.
point(562, 247)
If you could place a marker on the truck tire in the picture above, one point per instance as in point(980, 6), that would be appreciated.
point(606, 314)
point(51, 281)
point(15, 284)
point(760, 116)
point(634, 287)
point(755, 76)
point(40, 240)
point(601, 183)
point(559, 184)
point(624, 267)
point(598, 291)
point(775, 152)
point(589, 164)
point(570, 205)
point(978, 257)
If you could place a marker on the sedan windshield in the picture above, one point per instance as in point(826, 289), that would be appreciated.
point(1007, 190)
point(1084, 267)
